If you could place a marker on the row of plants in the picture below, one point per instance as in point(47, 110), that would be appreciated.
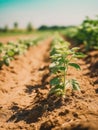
point(86, 33)
point(11, 49)
point(61, 58)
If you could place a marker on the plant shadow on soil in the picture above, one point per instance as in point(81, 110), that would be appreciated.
point(41, 107)
point(92, 61)
point(32, 113)
point(42, 103)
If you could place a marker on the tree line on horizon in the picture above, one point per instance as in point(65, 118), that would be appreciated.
point(30, 28)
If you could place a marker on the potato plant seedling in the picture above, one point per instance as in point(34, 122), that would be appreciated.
point(61, 58)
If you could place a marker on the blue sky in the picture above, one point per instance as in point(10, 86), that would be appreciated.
point(48, 12)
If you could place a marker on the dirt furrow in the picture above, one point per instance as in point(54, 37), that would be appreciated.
point(14, 85)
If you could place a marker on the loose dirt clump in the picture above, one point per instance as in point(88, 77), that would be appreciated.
point(25, 102)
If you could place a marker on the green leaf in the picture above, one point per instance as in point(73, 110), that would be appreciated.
point(61, 60)
point(7, 61)
point(10, 53)
point(56, 90)
point(52, 65)
point(1, 63)
point(1, 45)
point(79, 55)
point(75, 48)
point(57, 68)
point(55, 81)
point(75, 84)
point(53, 68)
point(62, 68)
point(96, 47)
point(75, 66)
point(53, 51)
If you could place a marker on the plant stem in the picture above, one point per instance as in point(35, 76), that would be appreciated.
point(64, 77)
point(65, 71)
point(65, 74)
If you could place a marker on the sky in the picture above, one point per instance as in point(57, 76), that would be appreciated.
point(46, 12)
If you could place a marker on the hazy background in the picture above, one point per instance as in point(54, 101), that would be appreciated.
point(46, 12)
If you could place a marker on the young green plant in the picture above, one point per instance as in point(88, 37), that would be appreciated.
point(62, 57)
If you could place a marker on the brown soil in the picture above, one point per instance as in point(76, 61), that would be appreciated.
point(24, 100)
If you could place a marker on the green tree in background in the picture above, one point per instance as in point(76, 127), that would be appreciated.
point(30, 27)
point(15, 25)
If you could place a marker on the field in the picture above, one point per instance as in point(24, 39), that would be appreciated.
point(25, 102)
